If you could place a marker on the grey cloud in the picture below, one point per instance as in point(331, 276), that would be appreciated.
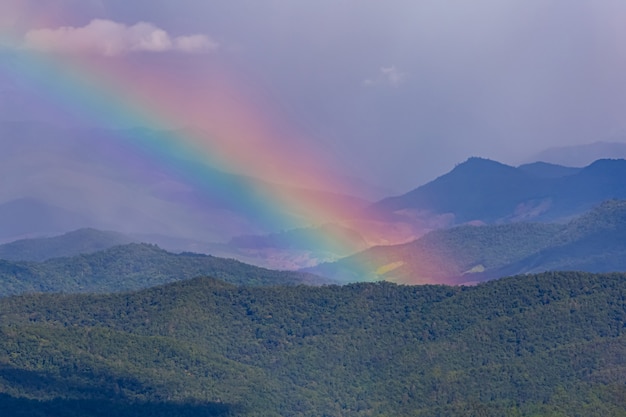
point(494, 78)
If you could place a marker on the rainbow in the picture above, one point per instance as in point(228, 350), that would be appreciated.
point(227, 135)
point(230, 134)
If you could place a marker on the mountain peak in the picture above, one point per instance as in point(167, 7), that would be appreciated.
point(482, 168)
point(476, 162)
point(606, 165)
point(477, 189)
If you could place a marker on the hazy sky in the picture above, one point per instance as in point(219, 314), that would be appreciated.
point(396, 92)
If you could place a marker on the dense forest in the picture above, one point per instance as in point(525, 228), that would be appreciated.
point(552, 344)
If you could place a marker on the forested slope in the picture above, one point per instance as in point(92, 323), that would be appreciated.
point(540, 345)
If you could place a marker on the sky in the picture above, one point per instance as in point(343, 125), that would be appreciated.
point(393, 93)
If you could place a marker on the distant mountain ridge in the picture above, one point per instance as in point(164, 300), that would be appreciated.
point(593, 242)
point(547, 170)
point(81, 241)
point(582, 155)
point(131, 267)
point(66, 179)
point(478, 189)
point(481, 190)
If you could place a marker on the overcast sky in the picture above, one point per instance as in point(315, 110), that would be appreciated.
point(396, 91)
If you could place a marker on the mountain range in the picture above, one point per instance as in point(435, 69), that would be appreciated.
point(126, 267)
point(89, 260)
point(528, 211)
point(479, 192)
point(54, 180)
point(96, 323)
point(485, 191)
point(594, 242)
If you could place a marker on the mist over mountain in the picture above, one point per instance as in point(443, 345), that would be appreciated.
point(266, 209)
point(77, 242)
point(581, 155)
point(55, 179)
point(91, 174)
point(131, 267)
point(24, 217)
point(593, 242)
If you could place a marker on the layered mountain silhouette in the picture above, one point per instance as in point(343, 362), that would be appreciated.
point(593, 242)
point(548, 170)
point(55, 180)
point(77, 242)
point(481, 190)
point(131, 267)
point(582, 155)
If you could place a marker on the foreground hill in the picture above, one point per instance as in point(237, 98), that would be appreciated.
point(131, 267)
point(81, 241)
point(543, 345)
point(487, 191)
point(594, 242)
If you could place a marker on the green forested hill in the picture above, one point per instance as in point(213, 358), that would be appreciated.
point(594, 242)
point(543, 345)
point(131, 267)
